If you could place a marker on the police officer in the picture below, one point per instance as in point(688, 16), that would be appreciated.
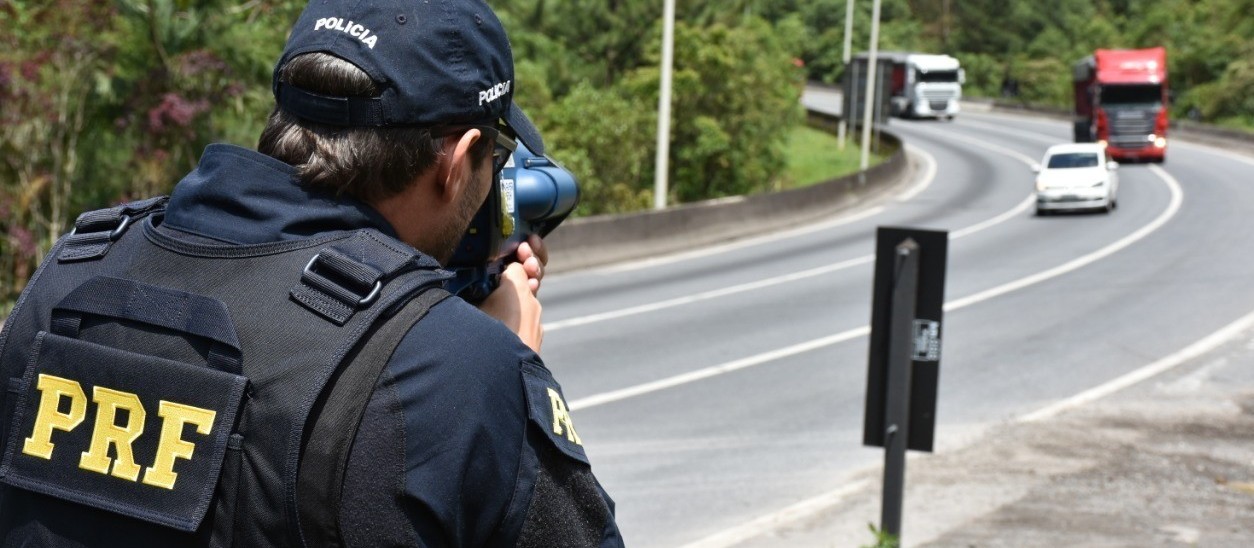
point(392, 120)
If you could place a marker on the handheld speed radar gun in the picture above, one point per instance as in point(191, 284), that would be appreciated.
point(533, 195)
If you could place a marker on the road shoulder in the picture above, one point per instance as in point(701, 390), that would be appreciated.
point(1166, 462)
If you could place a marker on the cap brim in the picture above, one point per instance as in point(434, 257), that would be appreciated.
point(518, 121)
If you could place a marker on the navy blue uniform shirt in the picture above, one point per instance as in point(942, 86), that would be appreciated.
point(466, 440)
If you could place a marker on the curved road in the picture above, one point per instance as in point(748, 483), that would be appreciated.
point(714, 390)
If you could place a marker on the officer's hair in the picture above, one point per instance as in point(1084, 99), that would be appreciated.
point(367, 163)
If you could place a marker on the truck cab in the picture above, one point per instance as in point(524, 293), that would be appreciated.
point(1121, 102)
point(932, 86)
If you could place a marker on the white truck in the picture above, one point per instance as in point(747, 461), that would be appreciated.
point(922, 85)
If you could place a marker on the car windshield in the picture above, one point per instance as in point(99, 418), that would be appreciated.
point(1073, 159)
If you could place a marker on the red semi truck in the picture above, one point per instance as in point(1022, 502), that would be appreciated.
point(1121, 101)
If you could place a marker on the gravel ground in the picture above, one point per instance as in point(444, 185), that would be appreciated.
point(1166, 462)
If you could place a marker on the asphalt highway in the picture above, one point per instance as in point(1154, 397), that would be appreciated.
point(718, 390)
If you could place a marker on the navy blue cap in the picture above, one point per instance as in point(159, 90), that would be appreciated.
point(439, 62)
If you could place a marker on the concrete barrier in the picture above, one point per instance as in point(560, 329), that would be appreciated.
point(603, 239)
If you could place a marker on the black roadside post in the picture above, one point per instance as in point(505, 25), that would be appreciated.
point(897, 410)
point(904, 358)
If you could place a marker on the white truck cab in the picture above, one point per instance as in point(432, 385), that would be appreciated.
point(931, 86)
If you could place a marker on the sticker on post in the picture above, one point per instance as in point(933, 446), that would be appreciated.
point(926, 341)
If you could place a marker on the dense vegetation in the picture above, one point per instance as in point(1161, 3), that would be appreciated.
point(1210, 53)
point(106, 100)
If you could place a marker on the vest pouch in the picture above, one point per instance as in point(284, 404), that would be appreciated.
point(137, 435)
point(110, 415)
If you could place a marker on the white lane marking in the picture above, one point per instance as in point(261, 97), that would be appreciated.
point(1010, 214)
point(930, 173)
point(1210, 342)
point(705, 295)
point(791, 514)
point(817, 504)
point(766, 357)
point(924, 181)
point(759, 284)
point(1192, 351)
point(982, 144)
point(1030, 135)
point(1023, 206)
point(727, 247)
point(1034, 119)
point(1177, 198)
point(712, 371)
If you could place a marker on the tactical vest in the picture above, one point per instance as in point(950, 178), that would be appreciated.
point(168, 393)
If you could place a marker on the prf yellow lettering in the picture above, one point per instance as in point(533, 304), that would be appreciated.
point(172, 445)
point(107, 435)
point(49, 417)
point(562, 424)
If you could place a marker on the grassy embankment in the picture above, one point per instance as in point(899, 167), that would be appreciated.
point(814, 156)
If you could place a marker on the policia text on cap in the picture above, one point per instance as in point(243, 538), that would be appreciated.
point(267, 357)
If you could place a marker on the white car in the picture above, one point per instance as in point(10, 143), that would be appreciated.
point(1076, 176)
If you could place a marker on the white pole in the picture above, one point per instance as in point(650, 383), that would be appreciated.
point(870, 85)
point(664, 106)
point(844, 116)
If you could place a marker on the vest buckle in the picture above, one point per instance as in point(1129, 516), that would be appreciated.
point(361, 303)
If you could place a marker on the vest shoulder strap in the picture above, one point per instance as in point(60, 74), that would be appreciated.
point(336, 418)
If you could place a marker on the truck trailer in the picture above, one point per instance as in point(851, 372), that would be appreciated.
point(1121, 101)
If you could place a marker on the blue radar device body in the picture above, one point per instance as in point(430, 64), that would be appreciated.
point(532, 195)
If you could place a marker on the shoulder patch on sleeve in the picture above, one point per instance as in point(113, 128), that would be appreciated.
point(547, 408)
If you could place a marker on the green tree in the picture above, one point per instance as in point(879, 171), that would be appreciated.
point(605, 36)
point(606, 137)
point(120, 107)
point(736, 94)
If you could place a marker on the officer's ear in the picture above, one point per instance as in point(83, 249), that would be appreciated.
point(456, 166)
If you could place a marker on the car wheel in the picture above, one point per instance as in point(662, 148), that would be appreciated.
point(1041, 212)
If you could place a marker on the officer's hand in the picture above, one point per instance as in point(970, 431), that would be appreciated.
point(533, 256)
point(515, 304)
